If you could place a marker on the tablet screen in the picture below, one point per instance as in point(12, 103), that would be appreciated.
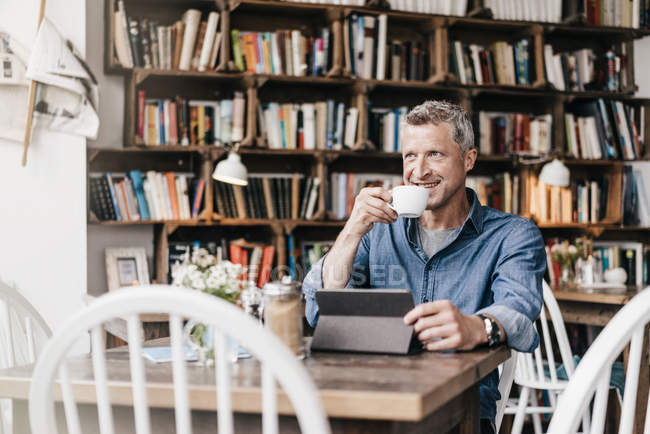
point(364, 302)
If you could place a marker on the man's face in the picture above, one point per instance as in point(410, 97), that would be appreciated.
point(431, 159)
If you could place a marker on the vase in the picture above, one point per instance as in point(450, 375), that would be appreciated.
point(567, 277)
point(200, 339)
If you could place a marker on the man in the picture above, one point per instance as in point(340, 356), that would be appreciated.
point(475, 273)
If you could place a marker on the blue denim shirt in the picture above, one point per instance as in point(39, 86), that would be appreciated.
point(494, 263)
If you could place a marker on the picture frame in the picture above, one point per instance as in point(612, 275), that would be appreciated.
point(126, 266)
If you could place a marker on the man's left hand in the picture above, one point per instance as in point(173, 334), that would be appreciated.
point(441, 326)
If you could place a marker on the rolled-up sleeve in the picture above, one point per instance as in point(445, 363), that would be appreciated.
point(314, 279)
point(517, 286)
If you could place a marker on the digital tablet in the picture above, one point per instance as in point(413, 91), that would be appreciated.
point(364, 320)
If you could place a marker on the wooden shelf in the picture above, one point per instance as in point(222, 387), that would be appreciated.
point(246, 79)
point(591, 226)
point(226, 222)
point(192, 222)
point(574, 162)
point(274, 6)
point(100, 152)
point(269, 222)
point(590, 31)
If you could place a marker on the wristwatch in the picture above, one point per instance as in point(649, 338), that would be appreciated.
point(491, 330)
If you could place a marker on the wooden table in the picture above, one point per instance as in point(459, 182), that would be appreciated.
point(428, 392)
point(596, 307)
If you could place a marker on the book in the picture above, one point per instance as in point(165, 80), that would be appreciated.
point(238, 105)
point(101, 202)
point(136, 181)
point(191, 21)
point(122, 39)
point(266, 266)
point(198, 198)
point(210, 36)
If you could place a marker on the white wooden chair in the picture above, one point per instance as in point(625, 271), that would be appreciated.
point(277, 362)
point(530, 374)
point(506, 377)
point(591, 378)
point(23, 333)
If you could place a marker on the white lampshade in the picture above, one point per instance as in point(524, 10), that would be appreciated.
point(231, 170)
point(555, 173)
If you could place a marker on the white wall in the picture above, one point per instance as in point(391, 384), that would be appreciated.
point(43, 211)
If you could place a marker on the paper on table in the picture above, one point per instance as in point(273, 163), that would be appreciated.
point(164, 354)
point(69, 103)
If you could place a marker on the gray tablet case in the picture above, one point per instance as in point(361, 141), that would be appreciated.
point(364, 320)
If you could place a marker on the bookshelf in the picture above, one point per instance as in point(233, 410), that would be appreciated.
point(434, 33)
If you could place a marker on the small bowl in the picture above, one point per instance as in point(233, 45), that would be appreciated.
point(616, 275)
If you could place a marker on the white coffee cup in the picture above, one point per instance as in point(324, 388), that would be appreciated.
point(409, 200)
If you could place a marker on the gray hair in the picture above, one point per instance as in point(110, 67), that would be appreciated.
point(434, 112)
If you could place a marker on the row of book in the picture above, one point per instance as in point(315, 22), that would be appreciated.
point(632, 13)
point(256, 258)
point(344, 188)
point(500, 133)
point(188, 44)
point(615, 13)
point(283, 52)
point(585, 69)
point(526, 10)
point(269, 196)
point(152, 196)
point(584, 201)
point(439, 7)
point(501, 63)
point(605, 129)
point(331, 2)
point(312, 251)
point(369, 54)
point(500, 191)
point(182, 121)
point(320, 125)
point(385, 126)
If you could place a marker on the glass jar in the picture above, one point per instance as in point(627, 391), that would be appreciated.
point(251, 301)
point(283, 313)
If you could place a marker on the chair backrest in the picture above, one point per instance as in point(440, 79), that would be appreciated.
point(530, 367)
point(278, 363)
point(506, 377)
point(592, 376)
point(23, 331)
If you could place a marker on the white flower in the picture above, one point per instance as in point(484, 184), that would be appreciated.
point(216, 276)
point(572, 250)
point(198, 284)
point(558, 248)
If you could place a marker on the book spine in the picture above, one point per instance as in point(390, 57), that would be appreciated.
point(238, 110)
point(136, 49)
point(192, 21)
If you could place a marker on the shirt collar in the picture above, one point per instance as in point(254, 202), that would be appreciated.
point(475, 217)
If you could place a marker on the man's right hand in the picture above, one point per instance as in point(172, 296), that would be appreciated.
point(370, 207)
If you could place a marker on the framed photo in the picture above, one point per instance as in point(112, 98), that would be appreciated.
point(126, 266)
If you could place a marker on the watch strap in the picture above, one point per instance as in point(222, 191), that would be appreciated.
point(491, 330)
